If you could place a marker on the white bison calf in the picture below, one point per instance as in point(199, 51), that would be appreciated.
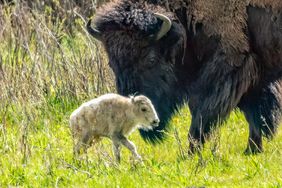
point(112, 116)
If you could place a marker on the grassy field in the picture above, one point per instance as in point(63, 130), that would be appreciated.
point(48, 68)
point(40, 155)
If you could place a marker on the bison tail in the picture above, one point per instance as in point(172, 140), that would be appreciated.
point(270, 109)
point(268, 129)
point(263, 108)
point(270, 122)
point(267, 109)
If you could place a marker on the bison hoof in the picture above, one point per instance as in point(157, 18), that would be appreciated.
point(194, 148)
point(253, 150)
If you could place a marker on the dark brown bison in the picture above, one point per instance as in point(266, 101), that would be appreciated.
point(217, 55)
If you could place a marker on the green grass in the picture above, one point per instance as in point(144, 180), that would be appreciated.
point(46, 72)
point(39, 154)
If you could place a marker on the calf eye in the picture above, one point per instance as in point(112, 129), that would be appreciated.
point(143, 109)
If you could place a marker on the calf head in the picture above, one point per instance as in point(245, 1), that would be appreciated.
point(145, 112)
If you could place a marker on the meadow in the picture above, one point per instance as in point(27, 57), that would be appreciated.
point(49, 65)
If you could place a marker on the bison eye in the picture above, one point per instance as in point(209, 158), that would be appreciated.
point(144, 109)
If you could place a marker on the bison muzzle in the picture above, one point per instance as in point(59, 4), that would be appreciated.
point(216, 55)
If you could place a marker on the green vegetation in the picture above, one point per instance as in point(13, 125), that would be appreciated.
point(39, 153)
point(47, 70)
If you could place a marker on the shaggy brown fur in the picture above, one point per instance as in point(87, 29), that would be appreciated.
point(226, 18)
point(218, 55)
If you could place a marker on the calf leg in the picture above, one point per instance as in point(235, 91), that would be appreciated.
point(129, 145)
point(83, 143)
point(116, 149)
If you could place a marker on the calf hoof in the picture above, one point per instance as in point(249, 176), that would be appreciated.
point(136, 161)
point(118, 160)
point(139, 158)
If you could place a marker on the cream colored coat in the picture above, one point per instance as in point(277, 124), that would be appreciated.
point(112, 116)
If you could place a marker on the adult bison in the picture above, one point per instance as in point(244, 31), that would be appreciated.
point(217, 55)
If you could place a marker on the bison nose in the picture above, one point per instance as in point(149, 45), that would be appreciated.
point(156, 122)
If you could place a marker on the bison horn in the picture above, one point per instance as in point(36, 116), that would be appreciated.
point(165, 26)
point(92, 31)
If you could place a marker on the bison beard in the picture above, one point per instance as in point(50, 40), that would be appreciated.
point(214, 63)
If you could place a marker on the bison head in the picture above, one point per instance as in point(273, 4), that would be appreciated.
point(145, 45)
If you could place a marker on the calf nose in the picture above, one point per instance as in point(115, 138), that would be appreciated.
point(156, 121)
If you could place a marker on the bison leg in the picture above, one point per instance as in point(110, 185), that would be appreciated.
point(262, 110)
point(195, 135)
point(216, 92)
point(255, 135)
point(200, 129)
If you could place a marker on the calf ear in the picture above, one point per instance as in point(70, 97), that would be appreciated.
point(132, 98)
